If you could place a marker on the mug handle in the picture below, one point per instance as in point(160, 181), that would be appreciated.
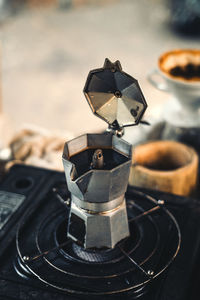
point(157, 81)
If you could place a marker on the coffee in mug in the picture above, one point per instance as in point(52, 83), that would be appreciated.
point(181, 64)
point(178, 73)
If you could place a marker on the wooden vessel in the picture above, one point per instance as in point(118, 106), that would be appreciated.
point(166, 166)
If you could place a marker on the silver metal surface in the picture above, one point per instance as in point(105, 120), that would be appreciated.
point(97, 202)
point(97, 166)
point(94, 207)
point(102, 230)
point(115, 96)
point(97, 185)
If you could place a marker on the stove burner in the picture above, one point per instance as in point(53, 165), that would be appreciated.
point(78, 253)
point(57, 261)
point(96, 256)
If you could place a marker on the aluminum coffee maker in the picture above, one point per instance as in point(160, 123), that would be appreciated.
point(97, 166)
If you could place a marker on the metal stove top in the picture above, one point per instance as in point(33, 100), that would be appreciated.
point(39, 262)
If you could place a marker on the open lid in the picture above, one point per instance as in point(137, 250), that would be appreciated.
point(115, 96)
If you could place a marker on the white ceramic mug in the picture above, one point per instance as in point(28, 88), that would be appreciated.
point(185, 91)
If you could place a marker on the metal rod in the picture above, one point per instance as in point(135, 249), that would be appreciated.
point(47, 251)
point(97, 160)
point(134, 262)
point(145, 213)
point(60, 198)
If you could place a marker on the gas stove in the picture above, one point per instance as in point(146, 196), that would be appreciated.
point(93, 238)
point(159, 260)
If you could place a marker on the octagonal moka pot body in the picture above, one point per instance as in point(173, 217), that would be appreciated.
point(98, 217)
point(97, 166)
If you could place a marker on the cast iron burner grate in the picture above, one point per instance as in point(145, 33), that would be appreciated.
point(47, 254)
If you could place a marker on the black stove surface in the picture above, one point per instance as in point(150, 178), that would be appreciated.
point(31, 206)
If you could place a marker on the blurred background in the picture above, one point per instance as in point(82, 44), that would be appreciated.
point(48, 47)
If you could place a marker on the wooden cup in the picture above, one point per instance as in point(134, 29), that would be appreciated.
point(166, 166)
